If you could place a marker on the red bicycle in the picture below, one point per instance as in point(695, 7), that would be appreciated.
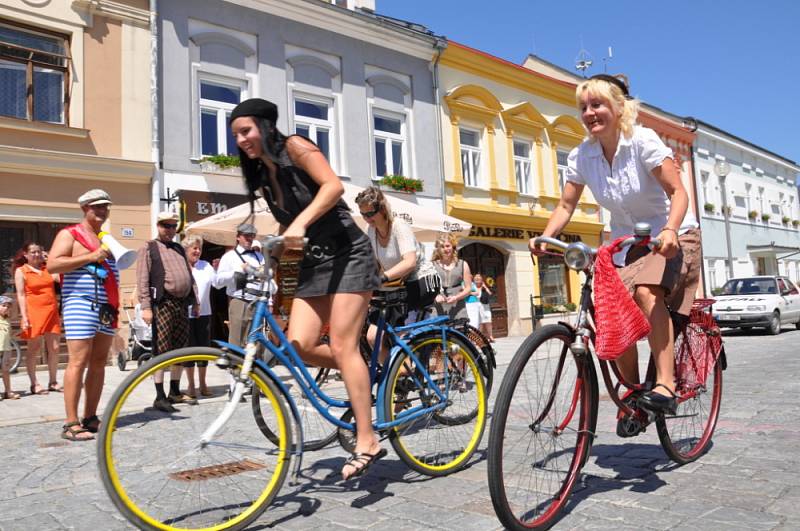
point(545, 415)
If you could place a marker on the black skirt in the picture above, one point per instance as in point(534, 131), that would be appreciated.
point(341, 263)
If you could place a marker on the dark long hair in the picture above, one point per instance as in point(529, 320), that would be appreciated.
point(19, 259)
point(273, 143)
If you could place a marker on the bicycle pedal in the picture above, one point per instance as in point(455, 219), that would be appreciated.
point(630, 427)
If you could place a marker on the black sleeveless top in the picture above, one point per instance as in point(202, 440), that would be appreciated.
point(298, 190)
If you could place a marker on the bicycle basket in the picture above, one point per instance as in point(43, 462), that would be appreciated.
point(697, 349)
point(618, 320)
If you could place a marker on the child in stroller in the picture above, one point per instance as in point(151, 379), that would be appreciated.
point(139, 340)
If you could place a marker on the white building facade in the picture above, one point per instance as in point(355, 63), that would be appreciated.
point(759, 198)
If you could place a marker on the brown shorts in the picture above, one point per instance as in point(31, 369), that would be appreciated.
point(679, 276)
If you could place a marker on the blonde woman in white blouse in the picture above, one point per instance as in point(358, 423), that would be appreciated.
point(632, 174)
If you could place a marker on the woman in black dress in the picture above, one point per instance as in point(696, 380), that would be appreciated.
point(338, 272)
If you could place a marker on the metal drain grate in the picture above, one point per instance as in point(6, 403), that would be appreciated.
point(217, 471)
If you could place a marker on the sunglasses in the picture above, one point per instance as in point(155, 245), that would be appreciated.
point(169, 225)
point(369, 214)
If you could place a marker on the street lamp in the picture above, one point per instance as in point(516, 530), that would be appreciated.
point(722, 169)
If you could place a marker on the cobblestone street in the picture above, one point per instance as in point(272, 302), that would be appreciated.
point(750, 479)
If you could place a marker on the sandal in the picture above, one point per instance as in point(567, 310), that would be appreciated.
point(365, 460)
point(37, 389)
point(11, 395)
point(91, 424)
point(72, 435)
point(54, 387)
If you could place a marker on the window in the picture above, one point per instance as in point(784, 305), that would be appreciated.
point(389, 135)
point(552, 280)
point(704, 180)
point(470, 156)
point(217, 100)
point(740, 202)
point(522, 167)
point(312, 119)
point(776, 209)
point(33, 75)
point(561, 163)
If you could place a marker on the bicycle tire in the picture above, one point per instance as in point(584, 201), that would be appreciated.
point(459, 426)
point(686, 435)
point(530, 480)
point(150, 462)
point(16, 354)
point(318, 432)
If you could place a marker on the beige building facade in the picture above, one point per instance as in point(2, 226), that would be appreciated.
point(74, 115)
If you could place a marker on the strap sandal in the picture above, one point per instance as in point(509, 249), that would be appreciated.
point(37, 389)
point(658, 403)
point(91, 424)
point(54, 387)
point(361, 461)
point(70, 434)
point(11, 395)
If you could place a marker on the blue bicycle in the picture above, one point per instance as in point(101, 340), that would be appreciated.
point(210, 465)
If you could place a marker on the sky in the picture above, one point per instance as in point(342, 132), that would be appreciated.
point(733, 64)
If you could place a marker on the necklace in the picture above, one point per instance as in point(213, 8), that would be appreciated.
point(382, 237)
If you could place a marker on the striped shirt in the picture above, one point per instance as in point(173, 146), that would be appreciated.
point(81, 283)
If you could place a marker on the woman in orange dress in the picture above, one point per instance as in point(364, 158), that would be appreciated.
point(38, 307)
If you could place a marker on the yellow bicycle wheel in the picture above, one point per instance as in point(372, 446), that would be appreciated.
point(159, 475)
point(439, 442)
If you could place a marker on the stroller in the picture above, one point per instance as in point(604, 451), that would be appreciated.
point(139, 348)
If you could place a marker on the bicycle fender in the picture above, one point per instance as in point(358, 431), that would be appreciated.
point(723, 358)
point(229, 346)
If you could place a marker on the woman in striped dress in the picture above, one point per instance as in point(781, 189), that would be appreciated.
point(78, 255)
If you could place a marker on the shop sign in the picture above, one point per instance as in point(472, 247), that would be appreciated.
point(506, 233)
point(200, 205)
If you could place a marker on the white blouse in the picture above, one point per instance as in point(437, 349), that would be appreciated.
point(627, 188)
point(401, 241)
point(204, 276)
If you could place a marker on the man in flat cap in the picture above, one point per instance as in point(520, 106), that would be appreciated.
point(90, 302)
point(230, 264)
point(166, 289)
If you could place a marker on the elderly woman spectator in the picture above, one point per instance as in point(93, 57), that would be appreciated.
point(200, 324)
point(38, 308)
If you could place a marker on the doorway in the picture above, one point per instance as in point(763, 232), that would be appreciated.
point(490, 263)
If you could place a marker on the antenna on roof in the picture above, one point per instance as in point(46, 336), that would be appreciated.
point(583, 61)
point(607, 59)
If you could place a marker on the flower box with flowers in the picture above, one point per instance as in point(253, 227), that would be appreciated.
point(221, 164)
point(401, 183)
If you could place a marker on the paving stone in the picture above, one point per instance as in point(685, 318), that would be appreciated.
point(747, 480)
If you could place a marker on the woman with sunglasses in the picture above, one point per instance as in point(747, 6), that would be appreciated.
point(398, 255)
point(338, 272)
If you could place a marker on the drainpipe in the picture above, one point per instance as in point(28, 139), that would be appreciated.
point(155, 149)
point(690, 123)
point(440, 45)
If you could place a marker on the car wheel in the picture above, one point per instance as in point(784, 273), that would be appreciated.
point(775, 324)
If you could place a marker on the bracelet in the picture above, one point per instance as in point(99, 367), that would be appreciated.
point(384, 279)
point(670, 228)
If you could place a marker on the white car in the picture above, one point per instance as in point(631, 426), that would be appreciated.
point(764, 301)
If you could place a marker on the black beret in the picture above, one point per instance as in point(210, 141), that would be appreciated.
point(256, 107)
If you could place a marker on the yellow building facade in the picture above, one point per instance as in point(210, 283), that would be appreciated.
point(506, 133)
